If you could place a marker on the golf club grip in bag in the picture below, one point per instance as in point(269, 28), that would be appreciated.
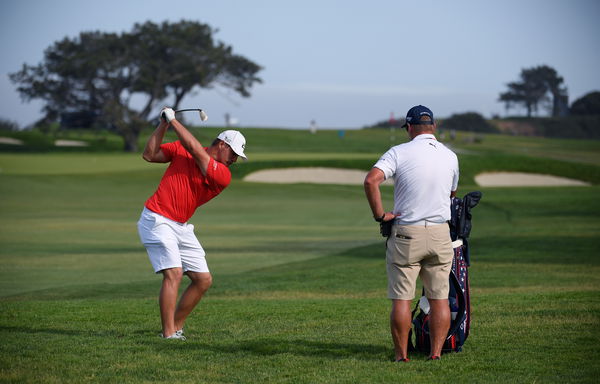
point(459, 296)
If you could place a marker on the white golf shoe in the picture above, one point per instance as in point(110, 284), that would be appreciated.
point(176, 336)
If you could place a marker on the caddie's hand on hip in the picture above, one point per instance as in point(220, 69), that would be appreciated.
point(167, 114)
point(388, 216)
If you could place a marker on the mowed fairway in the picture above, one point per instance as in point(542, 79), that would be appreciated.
point(299, 273)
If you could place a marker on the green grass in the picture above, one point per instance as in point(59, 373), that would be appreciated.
point(299, 274)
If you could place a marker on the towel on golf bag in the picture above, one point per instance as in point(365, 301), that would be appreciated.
point(459, 297)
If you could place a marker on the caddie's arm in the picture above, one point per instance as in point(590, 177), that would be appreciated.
point(372, 182)
point(152, 152)
point(189, 142)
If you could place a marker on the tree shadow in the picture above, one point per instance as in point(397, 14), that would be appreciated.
point(369, 251)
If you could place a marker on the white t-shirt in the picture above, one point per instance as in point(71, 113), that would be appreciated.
point(425, 172)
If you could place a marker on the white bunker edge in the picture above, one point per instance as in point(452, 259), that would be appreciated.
point(322, 175)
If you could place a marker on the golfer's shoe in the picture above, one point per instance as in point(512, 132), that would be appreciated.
point(179, 332)
point(175, 336)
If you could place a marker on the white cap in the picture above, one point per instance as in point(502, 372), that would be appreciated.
point(236, 141)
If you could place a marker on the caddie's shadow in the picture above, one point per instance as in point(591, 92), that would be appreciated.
point(273, 346)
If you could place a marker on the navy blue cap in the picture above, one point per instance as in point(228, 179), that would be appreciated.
point(413, 116)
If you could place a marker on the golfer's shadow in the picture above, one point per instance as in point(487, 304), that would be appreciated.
point(272, 346)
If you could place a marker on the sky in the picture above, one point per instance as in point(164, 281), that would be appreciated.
point(344, 64)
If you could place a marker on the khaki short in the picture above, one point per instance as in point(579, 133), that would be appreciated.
point(416, 250)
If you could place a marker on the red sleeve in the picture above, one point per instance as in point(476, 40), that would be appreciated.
point(169, 149)
point(218, 175)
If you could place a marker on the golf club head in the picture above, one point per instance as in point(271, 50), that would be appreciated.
point(203, 115)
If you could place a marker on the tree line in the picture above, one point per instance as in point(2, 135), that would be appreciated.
point(99, 75)
point(94, 78)
point(542, 87)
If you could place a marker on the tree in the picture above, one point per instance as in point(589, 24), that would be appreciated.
point(468, 121)
point(588, 104)
point(538, 85)
point(102, 73)
point(7, 125)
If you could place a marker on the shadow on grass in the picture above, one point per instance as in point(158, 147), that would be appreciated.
point(297, 347)
point(24, 330)
point(536, 249)
point(370, 251)
point(66, 249)
point(139, 289)
point(261, 347)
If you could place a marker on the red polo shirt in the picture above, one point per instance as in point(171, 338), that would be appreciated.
point(183, 187)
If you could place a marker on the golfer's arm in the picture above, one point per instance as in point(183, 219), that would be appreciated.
point(192, 145)
point(152, 152)
point(372, 181)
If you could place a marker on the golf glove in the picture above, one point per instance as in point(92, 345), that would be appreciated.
point(167, 114)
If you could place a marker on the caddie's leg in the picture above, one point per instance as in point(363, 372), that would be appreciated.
point(400, 324)
point(167, 299)
point(201, 282)
point(439, 324)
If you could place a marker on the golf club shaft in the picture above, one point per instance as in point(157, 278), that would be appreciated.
point(186, 110)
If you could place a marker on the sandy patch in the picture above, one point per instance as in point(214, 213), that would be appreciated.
point(10, 141)
point(319, 175)
point(70, 143)
point(518, 179)
point(313, 175)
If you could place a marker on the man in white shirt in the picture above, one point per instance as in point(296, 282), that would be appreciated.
point(425, 176)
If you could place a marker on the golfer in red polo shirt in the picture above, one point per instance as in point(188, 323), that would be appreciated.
point(195, 175)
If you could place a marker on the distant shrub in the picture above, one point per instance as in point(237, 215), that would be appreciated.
point(7, 125)
point(575, 127)
point(469, 121)
point(587, 105)
point(572, 127)
point(390, 123)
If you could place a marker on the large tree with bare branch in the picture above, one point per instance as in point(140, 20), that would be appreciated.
point(108, 73)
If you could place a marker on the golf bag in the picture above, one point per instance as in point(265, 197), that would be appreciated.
point(459, 295)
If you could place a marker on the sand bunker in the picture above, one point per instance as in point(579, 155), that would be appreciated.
point(518, 179)
point(317, 175)
point(70, 143)
point(10, 141)
point(314, 175)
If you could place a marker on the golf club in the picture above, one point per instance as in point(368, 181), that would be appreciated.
point(203, 115)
